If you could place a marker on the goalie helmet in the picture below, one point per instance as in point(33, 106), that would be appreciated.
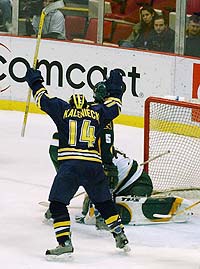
point(100, 92)
point(78, 101)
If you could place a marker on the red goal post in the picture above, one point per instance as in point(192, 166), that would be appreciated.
point(173, 126)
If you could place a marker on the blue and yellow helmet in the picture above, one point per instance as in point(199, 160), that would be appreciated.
point(78, 101)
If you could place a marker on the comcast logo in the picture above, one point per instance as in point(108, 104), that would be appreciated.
point(2, 76)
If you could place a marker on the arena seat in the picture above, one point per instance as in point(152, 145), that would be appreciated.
point(121, 32)
point(129, 12)
point(193, 6)
point(166, 6)
point(75, 27)
point(91, 33)
point(169, 5)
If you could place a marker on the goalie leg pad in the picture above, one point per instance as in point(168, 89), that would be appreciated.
point(143, 210)
point(162, 205)
point(125, 212)
point(166, 206)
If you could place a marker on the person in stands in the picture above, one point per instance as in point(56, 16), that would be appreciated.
point(5, 15)
point(192, 42)
point(141, 31)
point(162, 38)
point(54, 23)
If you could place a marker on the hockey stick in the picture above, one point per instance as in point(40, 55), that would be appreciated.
point(45, 11)
point(138, 172)
point(155, 157)
point(178, 213)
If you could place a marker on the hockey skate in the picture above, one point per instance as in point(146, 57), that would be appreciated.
point(61, 251)
point(121, 239)
point(100, 223)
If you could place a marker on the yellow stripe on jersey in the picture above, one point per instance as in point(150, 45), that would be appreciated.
point(110, 104)
point(79, 150)
point(38, 101)
point(38, 96)
point(41, 90)
point(114, 100)
point(79, 154)
point(72, 157)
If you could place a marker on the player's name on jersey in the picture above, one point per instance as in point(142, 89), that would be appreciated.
point(85, 112)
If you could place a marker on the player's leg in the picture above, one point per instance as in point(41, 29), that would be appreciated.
point(61, 227)
point(99, 193)
point(63, 189)
point(113, 221)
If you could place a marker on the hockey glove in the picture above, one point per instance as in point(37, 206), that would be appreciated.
point(114, 83)
point(111, 173)
point(33, 77)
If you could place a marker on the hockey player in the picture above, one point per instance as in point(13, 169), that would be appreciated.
point(106, 147)
point(106, 140)
point(133, 180)
point(79, 126)
point(134, 200)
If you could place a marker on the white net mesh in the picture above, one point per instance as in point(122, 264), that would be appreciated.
point(174, 126)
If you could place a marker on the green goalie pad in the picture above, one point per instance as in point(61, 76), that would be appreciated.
point(124, 213)
point(162, 206)
point(152, 210)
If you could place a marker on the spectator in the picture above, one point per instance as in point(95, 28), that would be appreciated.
point(192, 44)
point(54, 24)
point(141, 31)
point(5, 15)
point(162, 38)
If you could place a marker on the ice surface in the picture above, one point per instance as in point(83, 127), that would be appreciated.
point(26, 174)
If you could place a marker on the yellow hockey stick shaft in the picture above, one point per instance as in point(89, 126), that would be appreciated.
point(45, 11)
point(42, 17)
point(187, 208)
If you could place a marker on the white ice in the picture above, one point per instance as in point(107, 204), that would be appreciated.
point(26, 174)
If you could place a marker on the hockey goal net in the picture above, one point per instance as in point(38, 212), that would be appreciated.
point(174, 127)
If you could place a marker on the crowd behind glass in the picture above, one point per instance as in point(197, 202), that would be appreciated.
point(146, 25)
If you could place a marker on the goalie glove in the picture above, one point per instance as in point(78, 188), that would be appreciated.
point(111, 173)
point(114, 84)
point(34, 78)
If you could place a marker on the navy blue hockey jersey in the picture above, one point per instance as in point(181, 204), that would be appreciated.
point(79, 129)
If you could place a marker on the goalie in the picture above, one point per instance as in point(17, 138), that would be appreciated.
point(132, 196)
